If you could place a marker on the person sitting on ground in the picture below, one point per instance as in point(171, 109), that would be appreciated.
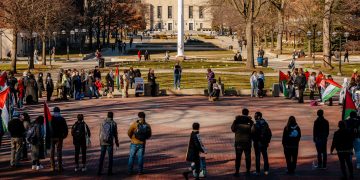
point(98, 85)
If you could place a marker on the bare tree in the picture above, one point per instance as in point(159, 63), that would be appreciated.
point(280, 5)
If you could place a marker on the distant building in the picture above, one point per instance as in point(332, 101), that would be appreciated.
point(162, 15)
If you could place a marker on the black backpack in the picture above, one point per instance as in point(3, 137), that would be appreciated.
point(264, 133)
point(31, 137)
point(78, 131)
point(142, 132)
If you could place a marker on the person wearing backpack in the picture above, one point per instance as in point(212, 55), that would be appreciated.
point(320, 136)
point(343, 143)
point(138, 132)
point(17, 131)
point(195, 147)
point(290, 141)
point(177, 76)
point(35, 137)
point(242, 128)
point(59, 131)
point(80, 132)
point(261, 137)
point(108, 133)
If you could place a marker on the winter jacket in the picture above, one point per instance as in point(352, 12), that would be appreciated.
point(261, 132)
point(291, 136)
point(79, 134)
point(342, 141)
point(300, 81)
point(113, 130)
point(97, 74)
point(76, 81)
point(132, 130)
point(59, 128)
point(242, 126)
point(195, 147)
point(40, 84)
point(16, 128)
point(49, 85)
point(321, 129)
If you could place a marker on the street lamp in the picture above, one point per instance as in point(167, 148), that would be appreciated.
point(346, 35)
point(63, 32)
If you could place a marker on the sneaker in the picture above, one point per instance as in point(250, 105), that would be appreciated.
point(266, 173)
point(39, 167)
point(77, 169)
point(83, 169)
point(33, 167)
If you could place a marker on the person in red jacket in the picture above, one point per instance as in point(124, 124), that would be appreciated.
point(139, 55)
point(98, 85)
point(318, 80)
point(20, 89)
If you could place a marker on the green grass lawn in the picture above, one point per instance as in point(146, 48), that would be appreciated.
point(199, 81)
point(347, 69)
point(20, 68)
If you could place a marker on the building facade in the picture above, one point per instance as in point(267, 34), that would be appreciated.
point(162, 15)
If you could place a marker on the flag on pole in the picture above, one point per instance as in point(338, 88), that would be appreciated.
point(3, 96)
point(117, 78)
point(5, 118)
point(331, 90)
point(47, 117)
point(348, 106)
point(283, 79)
point(3, 79)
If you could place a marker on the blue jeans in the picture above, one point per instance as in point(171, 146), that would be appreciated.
point(357, 150)
point(109, 149)
point(138, 149)
point(177, 78)
point(92, 89)
point(77, 94)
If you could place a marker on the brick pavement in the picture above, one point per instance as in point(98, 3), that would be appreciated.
point(171, 119)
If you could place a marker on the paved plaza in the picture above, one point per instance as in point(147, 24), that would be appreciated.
point(171, 118)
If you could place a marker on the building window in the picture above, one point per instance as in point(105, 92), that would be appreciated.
point(159, 26)
point(169, 12)
point(170, 26)
point(191, 26)
point(201, 25)
point(191, 8)
point(159, 12)
point(201, 12)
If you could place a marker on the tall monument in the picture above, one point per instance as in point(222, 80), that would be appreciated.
point(180, 34)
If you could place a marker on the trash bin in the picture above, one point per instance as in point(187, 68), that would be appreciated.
point(260, 61)
point(265, 63)
point(101, 63)
point(276, 90)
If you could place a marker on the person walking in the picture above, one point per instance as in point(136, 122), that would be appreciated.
point(81, 133)
point(242, 128)
point(17, 130)
point(194, 149)
point(108, 134)
point(132, 76)
point(152, 82)
point(146, 55)
point(343, 143)
point(110, 83)
point(320, 136)
point(319, 78)
point(139, 132)
point(21, 92)
point(177, 76)
point(300, 82)
point(59, 131)
point(40, 84)
point(49, 87)
point(290, 141)
point(346, 55)
point(139, 55)
point(126, 81)
point(261, 136)
point(253, 84)
point(77, 85)
point(36, 140)
point(210, 76)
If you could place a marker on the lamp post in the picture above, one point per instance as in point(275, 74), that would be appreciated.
point(346, 35)
point(311, 48)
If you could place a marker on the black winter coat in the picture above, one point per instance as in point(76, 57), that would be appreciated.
point(289, 140)
point(321, 129)
point(79, 129)
point(242, 126)
point(342, 141)
point(195, 147)
point(59, 127)
point(16, 128)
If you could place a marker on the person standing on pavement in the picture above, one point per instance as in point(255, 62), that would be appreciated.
point(320, 136)
point(346, 55)
point(210, 76)
point(343, 143)
point(59, 131)
point(290, 141)
point(49, 87)
point(253, 84)
point(242, 126)
point(139, 132)
point(126, 81)
point(40, 84)
point(81, 133)
point(36, 142)
point(139, 55)
point(108, 134)
point(300, 82)
point(261, 137)
point(319, 78)
point(25, 118)
point(110, 83)
point(152, 82)
point(261, 84)
point(97, 73)
point(76, 81)
point(131, 76)
point(17, 130)
point(194, 149)
point(312, 85)
point(177, 76)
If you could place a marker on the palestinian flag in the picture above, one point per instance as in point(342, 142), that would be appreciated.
point(117, 78)
point(47, 126)
point(3, 96)
point(283, 79)
point(330, 90)
point(4, 110)
point(3, 78)
point(348, 106)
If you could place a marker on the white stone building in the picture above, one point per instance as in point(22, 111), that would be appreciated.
point(162, 15)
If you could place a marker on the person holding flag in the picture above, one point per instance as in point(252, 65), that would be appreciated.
point(4, 111)
point(117, 76)
point(283, 81)
point(331, 89)
point(319, 79)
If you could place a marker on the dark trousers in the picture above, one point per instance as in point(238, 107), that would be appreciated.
point(312, 95)
point(239, 149)
point(24, 150)
point(64, 92)
point(291, 155)
point(345, 157)
point(301, 95)
point(261, 150)
point(58, 144)
point(321, 152)
point(109, 149)
point(153, 90)
point(81, 147)
point(319, 88)
point(49, 94)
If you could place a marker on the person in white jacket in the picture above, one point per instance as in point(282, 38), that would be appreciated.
point(253, 83)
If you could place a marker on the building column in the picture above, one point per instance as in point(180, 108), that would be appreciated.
point(180, 34)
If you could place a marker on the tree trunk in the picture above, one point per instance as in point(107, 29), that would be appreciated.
point(326, 30)
point(32, 47)
point(14, 51)
point(250, 44)
point(272, 40)
point(43, 56)
point(280, 30)
point(309, 48)
point(265, 39)
point(108, 29)
point(98, 33)
point(258, 40)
